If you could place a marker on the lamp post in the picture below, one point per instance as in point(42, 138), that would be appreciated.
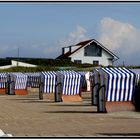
point(17, 56)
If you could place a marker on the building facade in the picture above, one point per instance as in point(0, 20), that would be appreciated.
point(89, 51)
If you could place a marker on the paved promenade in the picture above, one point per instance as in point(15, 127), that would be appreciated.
point(27, 116)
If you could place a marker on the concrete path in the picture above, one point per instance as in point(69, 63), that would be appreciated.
point(27, 116)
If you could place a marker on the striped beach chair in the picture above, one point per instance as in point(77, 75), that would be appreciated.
point(10, 85)
point(48, 83)
point(58, 87)
point(20, 83)
point(3, 80)
point(137, 89)
point(83, 81)
point(33, 80)
point(86, 81)
point(95, 87)
point(116, 90)
point(137, 72)
point(71, 86)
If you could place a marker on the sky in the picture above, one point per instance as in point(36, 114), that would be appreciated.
point(42, 29)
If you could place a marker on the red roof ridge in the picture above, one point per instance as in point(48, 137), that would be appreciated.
point(84, 42)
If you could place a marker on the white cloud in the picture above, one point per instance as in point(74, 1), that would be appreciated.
point(74, 37)
point(54, 49)
point(122, 38)
point(119, 36)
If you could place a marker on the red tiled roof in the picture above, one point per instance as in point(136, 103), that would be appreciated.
point(66, 55)
point(83, 43)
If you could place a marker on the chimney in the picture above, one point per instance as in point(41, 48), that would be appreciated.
point(63, 50)
point(70, 49)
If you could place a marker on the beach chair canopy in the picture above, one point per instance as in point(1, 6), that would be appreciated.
point(83, 79)
point(86, 77)
point(33, 79)
point(137, 72)
point(119, 83)
point(20, 80)
point(71, 82)
point(3, 79)
point(49, 80)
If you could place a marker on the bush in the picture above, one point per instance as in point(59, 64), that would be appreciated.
point(29, 69)
point(4, 62)
point(49, 62)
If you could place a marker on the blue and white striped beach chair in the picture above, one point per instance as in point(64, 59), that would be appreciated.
point(71, 85)
point(48, 83)
point(137, 72)
point(33, 79)
point(137, 89)
point(20, 82)
point(49, 80)
point(95, 87)
point(117, 86)
point(83, 81)
point(3, 80)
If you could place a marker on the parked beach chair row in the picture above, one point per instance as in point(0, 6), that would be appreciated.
point(111, 88)
point(47, 82)
point(17, 82)
point(63, 84)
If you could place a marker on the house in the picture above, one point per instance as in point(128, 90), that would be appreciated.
point(89, 51)
point(17, 63)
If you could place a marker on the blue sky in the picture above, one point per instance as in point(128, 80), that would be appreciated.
point(42, 29)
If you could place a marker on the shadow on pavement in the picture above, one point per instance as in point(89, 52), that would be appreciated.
point(23, 100)
point(69, 111)
point(71, 105)
point(120, 134)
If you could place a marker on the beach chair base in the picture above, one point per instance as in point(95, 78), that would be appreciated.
point(2, 91)
point(119, 106)
point(21, 92)
point(48, 96)
point(71, 98)
point(33, 90)
point(83, 89)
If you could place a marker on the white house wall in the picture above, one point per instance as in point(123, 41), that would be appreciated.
point(14, 64)
point(73, 48)
point(103, 60)
point(66, 50)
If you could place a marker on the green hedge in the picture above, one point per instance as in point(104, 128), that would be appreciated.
point(4, 62)
point(45, 61)
point(29, 69)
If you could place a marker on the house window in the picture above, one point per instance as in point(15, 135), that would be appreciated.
point(96, 63)
point(77, 61)
point(93, 50)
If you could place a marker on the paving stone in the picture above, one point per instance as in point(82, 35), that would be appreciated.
point(27, 116)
